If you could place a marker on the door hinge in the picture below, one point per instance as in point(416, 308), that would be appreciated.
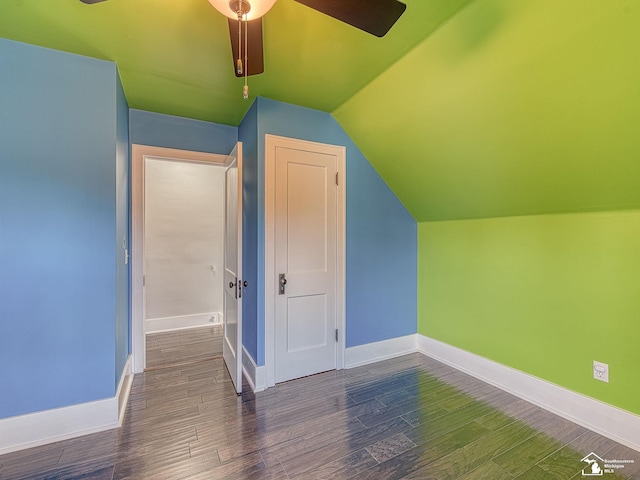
point(336, 178)
point(144, 278)
point(336, 334)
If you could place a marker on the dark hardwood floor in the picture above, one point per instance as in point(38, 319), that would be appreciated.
point(409, 417)
point(183, 346)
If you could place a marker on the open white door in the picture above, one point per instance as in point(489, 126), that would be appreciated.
point(232, 341)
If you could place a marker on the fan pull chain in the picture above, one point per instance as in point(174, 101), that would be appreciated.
point(239, 68)
point(245, 89)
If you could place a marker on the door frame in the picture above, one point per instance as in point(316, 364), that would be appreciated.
point(138, 155)
point(270, 284)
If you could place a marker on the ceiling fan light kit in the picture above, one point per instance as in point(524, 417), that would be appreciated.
point(251, 9)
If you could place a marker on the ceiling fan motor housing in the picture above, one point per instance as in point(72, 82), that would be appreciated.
point(241, 7)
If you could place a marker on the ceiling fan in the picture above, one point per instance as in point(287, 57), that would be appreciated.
point(372, 16)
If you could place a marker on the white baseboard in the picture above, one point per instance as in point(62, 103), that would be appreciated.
point(168, 324)
point(123, 390)
point(40, 428)
point(612, 422)
point(377, 351)
point(256, 376)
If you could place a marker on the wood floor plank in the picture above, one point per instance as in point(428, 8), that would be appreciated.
point(535, 472)
point(34, 459)
point(327, 448)
point(425, 453)
point(535, 449)
point(97, 470)
point(183, 346)
point(248, 466)
point(473, 455)
point(621, 452)
point(428, 401)
point(345, 467)
point(565, 462)
point(490, 470)
point(408, 417)
point(426, 426)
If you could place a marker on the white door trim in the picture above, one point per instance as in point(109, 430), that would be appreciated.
point(271, 142)
point(138, 155)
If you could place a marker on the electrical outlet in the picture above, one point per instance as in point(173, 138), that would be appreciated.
point(601, 371)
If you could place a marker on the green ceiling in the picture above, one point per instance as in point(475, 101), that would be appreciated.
point(174, 56)
point(467, 108)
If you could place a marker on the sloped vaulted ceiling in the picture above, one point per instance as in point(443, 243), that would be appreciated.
point(467, 108)
point(511, 108)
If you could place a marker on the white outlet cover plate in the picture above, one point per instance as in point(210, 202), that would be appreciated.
point(601, 371)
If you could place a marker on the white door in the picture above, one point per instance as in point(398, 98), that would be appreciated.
point(232, 317)
point(305, 262)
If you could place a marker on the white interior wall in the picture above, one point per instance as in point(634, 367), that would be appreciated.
point(184, 218)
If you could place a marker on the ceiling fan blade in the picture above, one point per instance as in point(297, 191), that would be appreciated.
point(255, 58)
point(90, 2)
point(373, 16)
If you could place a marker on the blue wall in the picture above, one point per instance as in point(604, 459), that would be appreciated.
point(159, 130)
point(123, 330)
point(57, 228)
point(65, 132)
point(248, 135)
point(64, 211)
point(382, 252)
point(381, 234)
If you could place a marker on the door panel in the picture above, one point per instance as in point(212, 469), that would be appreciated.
point(306, 322)
point(232, 319)
point(305, 251)
point(306, 220)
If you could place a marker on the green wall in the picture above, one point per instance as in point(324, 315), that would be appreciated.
point(511, 133)
point(543, 294)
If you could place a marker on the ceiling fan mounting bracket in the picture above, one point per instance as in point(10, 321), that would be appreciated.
point(241, 7)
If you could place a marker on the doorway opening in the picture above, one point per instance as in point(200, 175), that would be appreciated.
point(177, 264)
point(183, 256)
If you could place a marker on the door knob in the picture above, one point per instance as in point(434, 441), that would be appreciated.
point(282, 283)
